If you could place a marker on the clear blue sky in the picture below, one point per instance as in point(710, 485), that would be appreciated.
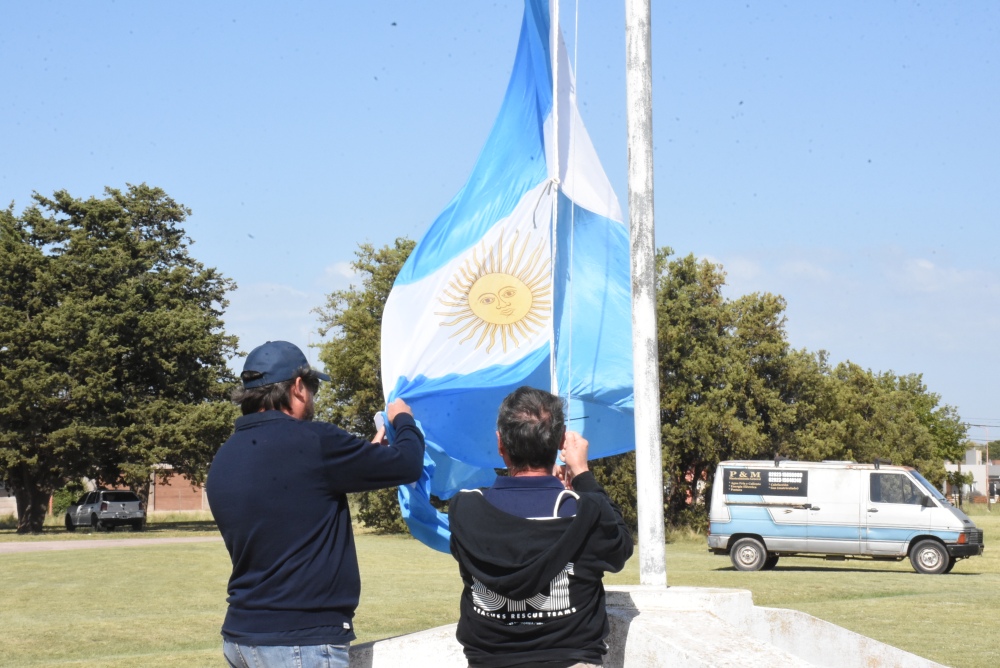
point(843, 154)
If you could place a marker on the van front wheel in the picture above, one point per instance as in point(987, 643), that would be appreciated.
point(929, 557)
point(748, 554)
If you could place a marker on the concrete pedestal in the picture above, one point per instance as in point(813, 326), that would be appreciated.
point(679, 626)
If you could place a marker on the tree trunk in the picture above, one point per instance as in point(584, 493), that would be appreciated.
point(32, 502)
point(142, 491)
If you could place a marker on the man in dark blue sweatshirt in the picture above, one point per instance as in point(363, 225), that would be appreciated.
point(277, 489)
point(533, 549)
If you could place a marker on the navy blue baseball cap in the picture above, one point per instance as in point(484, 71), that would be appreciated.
point(274, 362)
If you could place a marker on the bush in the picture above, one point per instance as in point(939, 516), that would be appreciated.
point(379, 510)
point(617, 475)
point(694, 517)
point(63, 498)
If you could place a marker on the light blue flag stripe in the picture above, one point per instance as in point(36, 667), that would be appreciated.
point(593, 309)
point(465, 408)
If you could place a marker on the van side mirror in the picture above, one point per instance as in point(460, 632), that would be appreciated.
point(927, 502)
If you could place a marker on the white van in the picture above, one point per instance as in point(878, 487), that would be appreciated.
point(762, 510)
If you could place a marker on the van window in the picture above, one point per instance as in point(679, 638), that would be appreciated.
point(894, 488)
point(929, 488)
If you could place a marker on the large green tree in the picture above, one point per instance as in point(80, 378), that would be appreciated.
point(112, 349)
point(721, 368)
point(943, 423)
point(732, 388)
point(857, 414)
point(352, 319)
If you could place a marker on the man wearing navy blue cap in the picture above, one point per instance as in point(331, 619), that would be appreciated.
point(278, 491)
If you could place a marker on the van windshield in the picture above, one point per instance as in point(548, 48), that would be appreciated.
point(929, 488)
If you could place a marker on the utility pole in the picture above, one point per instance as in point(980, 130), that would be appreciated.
point(648, 457)
point(989, 497)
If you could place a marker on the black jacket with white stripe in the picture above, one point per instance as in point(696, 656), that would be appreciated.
point(533, 589)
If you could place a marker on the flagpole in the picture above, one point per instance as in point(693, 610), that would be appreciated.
point(648, 457)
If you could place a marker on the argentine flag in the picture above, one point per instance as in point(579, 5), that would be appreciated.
point(528, 263)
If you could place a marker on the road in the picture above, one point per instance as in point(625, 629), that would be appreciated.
point(52, 545)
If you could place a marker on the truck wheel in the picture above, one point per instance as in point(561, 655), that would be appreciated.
point(929, 557)
point(770, 562)
point(748, 554)
point(137, 525)
point(951, 564)
point(69, 524)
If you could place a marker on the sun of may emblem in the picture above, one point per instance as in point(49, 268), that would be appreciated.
point(505, 294)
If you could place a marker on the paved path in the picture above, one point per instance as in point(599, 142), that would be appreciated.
point(50, 545)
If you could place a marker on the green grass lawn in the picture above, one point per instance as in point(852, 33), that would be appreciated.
point(162, 605)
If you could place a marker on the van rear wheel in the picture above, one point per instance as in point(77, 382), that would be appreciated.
point(748, 554)
point(929, 557)
point(770, 562)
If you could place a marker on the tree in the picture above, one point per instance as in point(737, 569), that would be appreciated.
point(942, 421)
point(958, 480)
point(731, 388)
point(352, 358)
point(851, 413)
point(721, 365)
point(112, 352)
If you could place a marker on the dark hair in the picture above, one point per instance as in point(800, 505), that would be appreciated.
point(531, 425)
point(273, 397)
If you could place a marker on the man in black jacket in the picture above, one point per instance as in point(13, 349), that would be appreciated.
point(277, 489)
point(531, 553)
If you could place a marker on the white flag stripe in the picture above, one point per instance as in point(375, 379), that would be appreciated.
point(417, 313)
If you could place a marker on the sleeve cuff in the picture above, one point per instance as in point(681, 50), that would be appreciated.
point(586, 482)
point(403, 420)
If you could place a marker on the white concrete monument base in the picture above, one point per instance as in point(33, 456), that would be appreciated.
point(679, 626)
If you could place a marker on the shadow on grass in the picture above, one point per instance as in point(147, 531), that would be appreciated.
point(193, 526)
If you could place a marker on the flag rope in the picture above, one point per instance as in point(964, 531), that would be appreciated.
point(553, 230)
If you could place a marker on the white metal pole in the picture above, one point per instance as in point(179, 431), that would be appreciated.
point(648, 458)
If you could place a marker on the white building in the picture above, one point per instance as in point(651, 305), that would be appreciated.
point(983, 472)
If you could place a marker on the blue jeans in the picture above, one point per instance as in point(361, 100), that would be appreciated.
point(279, 656)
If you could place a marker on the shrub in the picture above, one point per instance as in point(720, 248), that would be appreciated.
point(63, 498)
